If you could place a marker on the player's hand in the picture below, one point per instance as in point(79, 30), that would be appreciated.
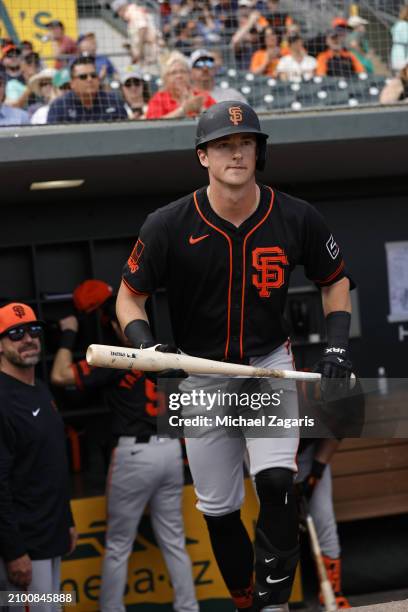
point(308, 485)
point(336, 369)
point(169, 373)
point(193, 105)
point(19, 571)
point(69, 323)
point(73, 538)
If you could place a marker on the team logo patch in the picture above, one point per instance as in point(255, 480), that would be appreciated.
point(235, 113)
point(19, 311)
point(332, 247)
point(133, 261)
point(269, 262)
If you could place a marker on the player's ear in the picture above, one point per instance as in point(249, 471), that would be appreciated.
point(202, 156)
point(1, 347)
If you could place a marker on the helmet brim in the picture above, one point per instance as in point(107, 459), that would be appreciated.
point(228, 131)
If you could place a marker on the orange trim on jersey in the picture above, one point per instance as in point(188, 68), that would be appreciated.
point(135, 291)
point(230, 274)
point(78, 381)
point(85, 368)
point(332, 276)
point(241, 334)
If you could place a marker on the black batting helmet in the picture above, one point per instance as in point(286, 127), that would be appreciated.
point(231, 117)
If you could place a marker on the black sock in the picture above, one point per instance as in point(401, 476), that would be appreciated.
point(234, 554)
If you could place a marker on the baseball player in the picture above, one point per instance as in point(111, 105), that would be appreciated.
point(315, 483)
point(144, 468)
point(36, 523)
point(225, 254)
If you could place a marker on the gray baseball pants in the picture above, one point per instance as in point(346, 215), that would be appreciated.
point(140, 474)
point(321, 505)
point(216, 459)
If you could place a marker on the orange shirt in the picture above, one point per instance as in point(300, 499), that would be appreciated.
point(324, 59)
point(258, 58)
point(163, 103)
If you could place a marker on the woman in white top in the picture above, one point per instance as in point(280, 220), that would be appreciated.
point(297, 64)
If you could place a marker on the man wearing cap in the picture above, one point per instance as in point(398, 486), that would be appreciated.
point(36, 524)
point(61, 43)
point(337, 61)
point(144, 469)
point(86, 101)
point(11, 60)
point(203, 70)
point(87, 45)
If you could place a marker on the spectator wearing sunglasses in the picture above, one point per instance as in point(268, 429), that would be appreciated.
point(86, 101)
point(203, 70)
point(178, 98)
point(135, 92)
point(36, 524)
point(8, 114)
point(11, 61)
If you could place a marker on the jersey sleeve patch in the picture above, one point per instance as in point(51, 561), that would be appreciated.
point(133, 261)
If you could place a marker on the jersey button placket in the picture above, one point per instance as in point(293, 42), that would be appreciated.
point(236, 295)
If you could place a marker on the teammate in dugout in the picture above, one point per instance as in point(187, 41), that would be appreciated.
point(225, 254)
point(144, 469)
point(36, 523)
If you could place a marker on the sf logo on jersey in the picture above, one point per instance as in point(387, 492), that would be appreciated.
point(133, 261)
point(269, 262)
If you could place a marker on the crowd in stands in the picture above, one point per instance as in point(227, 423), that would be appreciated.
point(199, 41)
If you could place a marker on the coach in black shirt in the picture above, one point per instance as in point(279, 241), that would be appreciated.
point(86, 102)
point(36, 524)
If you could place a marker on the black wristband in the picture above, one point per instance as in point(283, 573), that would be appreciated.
point(338, 328)
point(317, 469)
point(139, 334)
point(68, 339)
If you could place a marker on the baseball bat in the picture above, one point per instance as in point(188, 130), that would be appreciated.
point(325, 586)
point(147, 360)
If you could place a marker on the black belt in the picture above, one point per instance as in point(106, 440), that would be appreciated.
point(243, 361)
point(142, 438)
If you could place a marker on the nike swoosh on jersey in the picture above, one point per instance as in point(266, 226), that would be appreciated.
point(261, 594)
point(35, 412)
point(269, 560)
point(199, 239)
point(270, 580)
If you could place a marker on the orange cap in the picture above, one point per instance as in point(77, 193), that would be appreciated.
point(91, 294)
point(15, 314)
point(339, 22)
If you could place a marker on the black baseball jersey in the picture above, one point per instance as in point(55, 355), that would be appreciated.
point(131, 397)
point(227, 286)
point(35, 513)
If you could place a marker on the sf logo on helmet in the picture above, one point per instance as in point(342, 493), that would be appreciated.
point(235, 113)
point(269, 262)
point(19, 311)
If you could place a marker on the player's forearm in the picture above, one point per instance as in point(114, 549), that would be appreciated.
point(336, 297)
point(326, 450)
point(61, 373)
point(130, 306)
